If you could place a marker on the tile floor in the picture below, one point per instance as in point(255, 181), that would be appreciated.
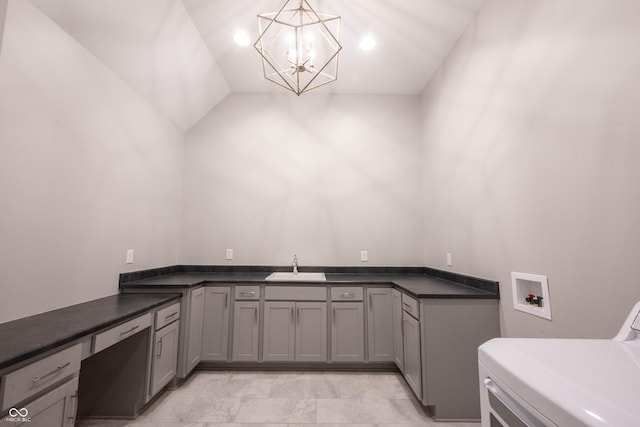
point(285, 399)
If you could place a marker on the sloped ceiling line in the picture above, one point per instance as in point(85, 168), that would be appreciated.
point(180, 55)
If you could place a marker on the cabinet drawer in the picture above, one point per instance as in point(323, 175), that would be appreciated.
point(31, 379)
point(295, 293)
point(167, 315)
point(118, 333)
point(410, 305)
point(247, 292)
point(346, 294)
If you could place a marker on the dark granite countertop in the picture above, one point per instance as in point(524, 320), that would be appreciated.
point(30, 336)
point(420, 286)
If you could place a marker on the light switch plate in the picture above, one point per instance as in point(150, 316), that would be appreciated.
point(129, 256)
point(229, 255)
point(364, 256)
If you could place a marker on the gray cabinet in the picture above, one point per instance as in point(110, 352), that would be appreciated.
point(451, 331)
point(398, 329)
point(379, 322)
point(279, 331)
point(311, 332)
point(165, 356)
point(347, 332)
point(245, 331)
point(215, 332)
point(412, 350)
point(196, 318)
point(57, 408)
point(295, 331)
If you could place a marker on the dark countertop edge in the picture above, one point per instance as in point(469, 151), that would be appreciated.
point(479, 293)
point(135, 276)
point(490, 286)
point(71, 338)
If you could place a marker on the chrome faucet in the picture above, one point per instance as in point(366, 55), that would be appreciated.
point(295, 264)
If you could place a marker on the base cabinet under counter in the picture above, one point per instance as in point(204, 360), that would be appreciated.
point(57, 408)
point(451, 330)
point(379, 323)
point(294, 331)
point(191, 324)
point(311, 332)
point(347, 332)
point(215, 331)
point(246, 331)
point(164, 361)
point(43, 392)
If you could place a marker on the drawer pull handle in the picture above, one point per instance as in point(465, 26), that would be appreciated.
point(167, 317)
point(129, 330)
point(247, 294)
point(348, 295)
point(55, 371)
point(404, 304)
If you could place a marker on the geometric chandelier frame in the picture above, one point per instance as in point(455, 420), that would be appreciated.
point(299, 46)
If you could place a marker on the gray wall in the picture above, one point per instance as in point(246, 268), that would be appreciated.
point(531, 158)
point(87, 170)
point(521, 155)
point(3, 13)
point(323, 177)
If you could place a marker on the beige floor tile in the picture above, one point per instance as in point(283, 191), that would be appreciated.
point(365, 385)
point(245, 425)
point(285, 399)
point(240, 386)
point(340, 411)
point(304, 386)
point(193, 410)
point(276, 410)
point(331, 425)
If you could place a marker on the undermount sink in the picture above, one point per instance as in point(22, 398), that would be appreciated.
point(298, 277)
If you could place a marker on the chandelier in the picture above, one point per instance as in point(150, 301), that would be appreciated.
point(299, 46)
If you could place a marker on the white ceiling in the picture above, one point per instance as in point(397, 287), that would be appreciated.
point(180, 54)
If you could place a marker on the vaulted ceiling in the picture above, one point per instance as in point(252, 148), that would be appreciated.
point(180, 54)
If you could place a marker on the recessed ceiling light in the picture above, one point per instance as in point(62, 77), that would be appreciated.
point(367, 43)
point(241, 38)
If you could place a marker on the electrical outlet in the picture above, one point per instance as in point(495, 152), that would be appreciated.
point(449, 259)
point(364, 256)
point(130, 256)
point(229, 255)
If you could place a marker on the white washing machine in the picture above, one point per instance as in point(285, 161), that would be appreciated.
point(562, 382)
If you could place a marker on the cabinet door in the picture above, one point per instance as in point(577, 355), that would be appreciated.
point(215, 332)
point(398, 329)
point(165, 356)
point(196, 318)
point(347, 332)
point(279, 331)
point(379, 321)
point(412, 364)
point(55, 409)
point(245, 331)
point(311, 332)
